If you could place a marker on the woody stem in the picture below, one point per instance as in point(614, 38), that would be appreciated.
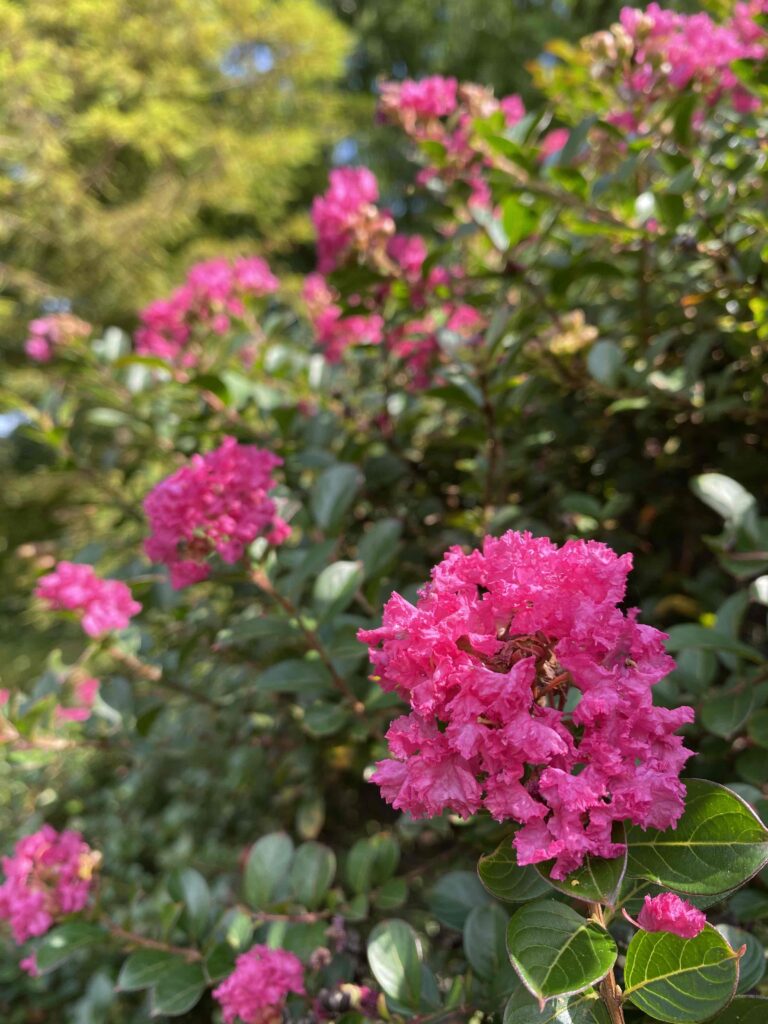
point(610, 993)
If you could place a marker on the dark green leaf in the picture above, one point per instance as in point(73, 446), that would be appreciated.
point(296, 675)
point(752, 963)
point(719, 843)
point(585, 1008)
point(505, 880)
point(60, 943)
point(744, 1010)
point(191, 889)
point(177, 990)
point(142, 969)
point(333, 493)
point(680, 980)
point(454, 896)
point(556, 951)
point(690, 635)
point(378, 547)
point(597, 881)
point(312, 871)
point(485, 932)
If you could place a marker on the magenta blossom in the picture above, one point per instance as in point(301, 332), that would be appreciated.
point(213, 295)
point(219, 503)
point(530, 695)
point(48, 333)
point(255, 992)
point(105, 605)
point(50, 874)
point(347, 219)
point(668, 913)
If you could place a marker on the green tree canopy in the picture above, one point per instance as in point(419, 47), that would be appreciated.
point(140, 135)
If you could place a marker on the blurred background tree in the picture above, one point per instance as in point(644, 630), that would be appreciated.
point(138, 136)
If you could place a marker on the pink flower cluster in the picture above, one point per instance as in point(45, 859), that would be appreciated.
point(435, 296)
point(440, 111)
point(347, 219)
point(668, 913)
point(214, 293)
point(216, 503)
point(47, 333)
point(255, 992)
point(105, 604)
point(334, 331)
point(530, 693)
point(671, 51)
point(84, 693)
point(49, 875)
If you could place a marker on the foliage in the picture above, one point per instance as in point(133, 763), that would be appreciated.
point(135, 136)
point(574, 346)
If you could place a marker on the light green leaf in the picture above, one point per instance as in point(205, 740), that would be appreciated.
point(392, 894)
point(393, 955)
point(336, 586)
point(268, 864)
point(680, 981)
point(557, 952)
point(725, 496)
point(506, 880)
point(312, 871)
point(604, 361)
point(585, 1008)
point(719, 843)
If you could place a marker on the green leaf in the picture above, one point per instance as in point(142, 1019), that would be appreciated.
point(191, 889)
point(333, 493)
point(62, 942)
point(597, 881)
point(268, 864)
point(604, 361)
point(719, 843)
point(296, 675)
point(555, 951)
point(586, 1008)
point(312, 871)
point(372, 862)
point(220, 961)
point(393, 955)
point(690, 635)
point(758, 728)
point(142, 969)
point(325, 719)
point(680, 980)
point(378, 547)
point(506, 880)
point(744, 1010)
point(517, 219)
point(484, 936)
point(752, 962)
point(726, 712)
point(392, 894)
point(725, 496)
point(177, 990)
point(453, 897)
point(335, 587)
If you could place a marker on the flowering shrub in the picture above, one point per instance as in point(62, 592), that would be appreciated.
point(320, 787)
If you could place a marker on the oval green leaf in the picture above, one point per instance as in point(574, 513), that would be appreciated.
point(752, 962)
point(142, 969)
point(177, 990)
point(62, 942)
point(393, 955)
point(312, 871)
point(597, 881)
point(506, 880)
point(719, 844)
point(269, 862)
point(555, 951)
point(680, 981)
point(586, 1008)
point(744, 1010)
